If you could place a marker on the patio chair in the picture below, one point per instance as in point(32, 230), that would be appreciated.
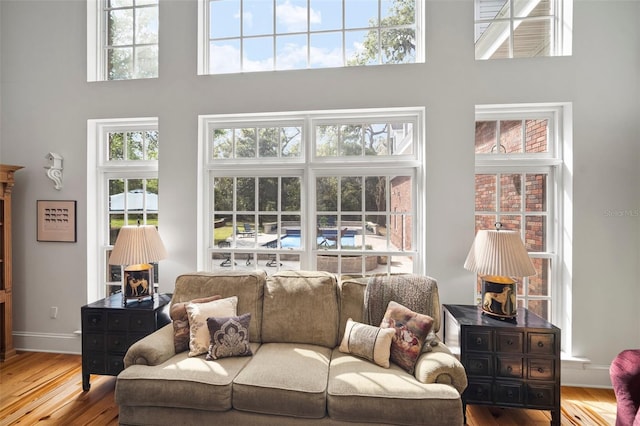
point(330, 237)
point(227, 261)
point(247, 232)
point(273, 258)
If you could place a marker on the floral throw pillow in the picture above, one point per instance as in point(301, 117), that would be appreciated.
point(368, 342)
point(411, 331)
point(199, 338)
point(180, 318)
point(229, 336)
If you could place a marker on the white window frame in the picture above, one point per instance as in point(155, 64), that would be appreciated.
point(203, 36)
point(99, 171)
point(557, 163)
point(562, 28)
point(308, 167)
point(96, 41)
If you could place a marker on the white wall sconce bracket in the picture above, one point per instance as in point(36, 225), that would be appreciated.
point(54, 169)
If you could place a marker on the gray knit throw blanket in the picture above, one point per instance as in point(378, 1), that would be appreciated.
point(410, 290)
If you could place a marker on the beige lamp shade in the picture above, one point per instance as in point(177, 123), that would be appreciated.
point(499, 253)
point(137, 244)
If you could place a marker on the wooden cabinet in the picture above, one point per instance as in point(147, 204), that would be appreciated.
point(108, 329)
point(6, 295)
point(508, 363)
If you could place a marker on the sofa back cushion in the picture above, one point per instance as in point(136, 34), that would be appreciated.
point(301, 307)
point(247, 286)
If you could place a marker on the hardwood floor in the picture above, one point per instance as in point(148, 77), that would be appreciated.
point(37, 387)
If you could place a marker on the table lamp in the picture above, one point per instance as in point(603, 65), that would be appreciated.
point(135, 249)
point(497, 255)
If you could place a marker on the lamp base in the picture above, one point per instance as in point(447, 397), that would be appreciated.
point(499, 297)
point(137, 283)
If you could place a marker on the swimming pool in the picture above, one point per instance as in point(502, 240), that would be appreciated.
point(293, 241)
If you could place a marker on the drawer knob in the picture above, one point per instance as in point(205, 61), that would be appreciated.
point(510, 393)
point(510, 342)
point(117, 321)
point(479, 391)
point(478, 366)
point(539, 395)
point(540, 370)
point(478, 341)
point(94, 321)
point(509, 369)
point(540, 344)
point(139, 322)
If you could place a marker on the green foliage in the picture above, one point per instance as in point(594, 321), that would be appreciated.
point(396, 44)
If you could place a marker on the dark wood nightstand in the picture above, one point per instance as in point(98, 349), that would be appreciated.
point(508, 363)
point(108, 329)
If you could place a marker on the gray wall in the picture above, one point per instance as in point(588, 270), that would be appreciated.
point(46, 102)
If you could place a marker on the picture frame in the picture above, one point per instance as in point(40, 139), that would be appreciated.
point(57, 220)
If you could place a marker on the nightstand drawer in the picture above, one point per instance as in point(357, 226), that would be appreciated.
point(93, 320)
point(117, 321)
point(510, 367)
point(478, 392)
point(141, 323)
point(115, 364)
point(540, 396)
point(510, 342)
point(117, 343)
point(541, 369)
point(542, 344)
point(478, 365)
point(93, 362)
point(507, 393)
point(478, 340)
point(93, 342)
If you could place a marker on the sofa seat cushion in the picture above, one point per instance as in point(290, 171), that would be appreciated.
point(286, 379)
point(181, 381)
point(361, 391)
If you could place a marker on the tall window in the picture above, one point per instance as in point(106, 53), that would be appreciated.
point(338, 192)
point(518, 182)
point(122, 39)
point(124, 163)
point(264, 35)
point(522, 28)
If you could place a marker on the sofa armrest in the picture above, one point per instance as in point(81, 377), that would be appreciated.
point(153, 349)
point(438, 365)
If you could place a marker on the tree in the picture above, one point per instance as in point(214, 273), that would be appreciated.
point(395, 42)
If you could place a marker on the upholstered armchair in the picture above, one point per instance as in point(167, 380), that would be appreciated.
point(625, 378)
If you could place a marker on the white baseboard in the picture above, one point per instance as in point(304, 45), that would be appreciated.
point(66, 343)
point(586, 375)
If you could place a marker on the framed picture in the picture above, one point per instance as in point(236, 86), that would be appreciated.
point(57, 221)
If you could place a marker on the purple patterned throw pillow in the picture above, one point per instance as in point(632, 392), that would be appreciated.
point(229, 336)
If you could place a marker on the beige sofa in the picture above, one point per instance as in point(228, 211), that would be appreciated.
point(296, 375)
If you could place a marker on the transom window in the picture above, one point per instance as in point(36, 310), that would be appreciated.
point(297, 191)
point(265, 35)
point(522, 28)
point(518, 160)
point(122, 39)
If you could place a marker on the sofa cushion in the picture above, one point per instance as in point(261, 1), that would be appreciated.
point(199, 337)
point(368, 342)
point(181, 381)
point(361, 391)
point(247, 286)
point(411, 331)
point(229, 336)
point(301, 307)
point(284, 379)
point(180, 319)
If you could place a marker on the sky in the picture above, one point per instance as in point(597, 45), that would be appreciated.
point(290, 47)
